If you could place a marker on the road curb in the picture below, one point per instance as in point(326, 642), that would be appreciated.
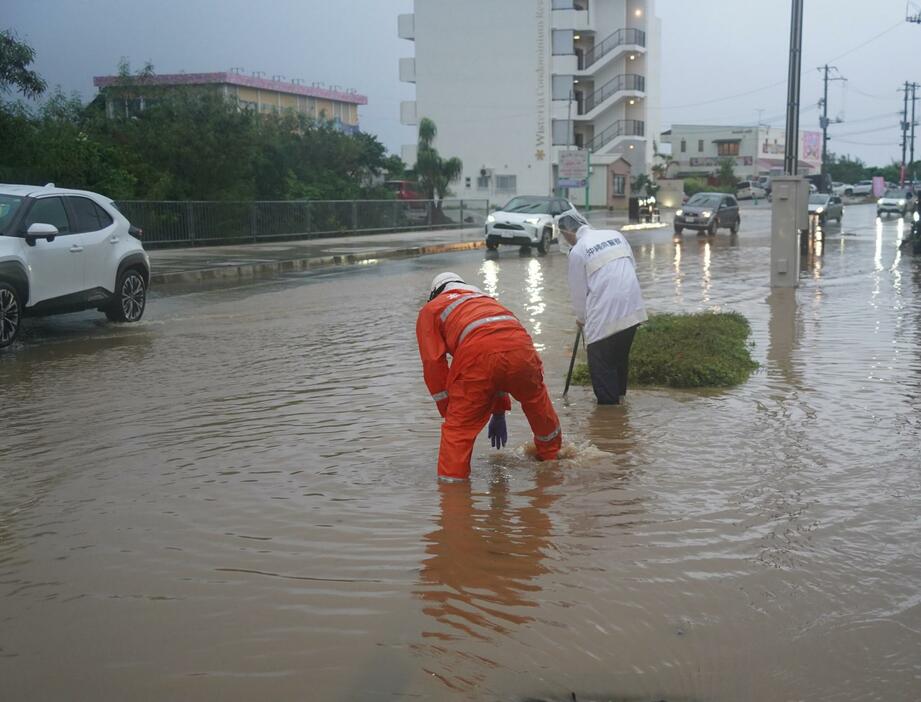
point(256, 270)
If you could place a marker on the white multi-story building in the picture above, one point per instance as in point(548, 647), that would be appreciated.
point(698, 149)
point(511, 83)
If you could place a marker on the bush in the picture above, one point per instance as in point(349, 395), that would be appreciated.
point(708, 349)
point(692, 186)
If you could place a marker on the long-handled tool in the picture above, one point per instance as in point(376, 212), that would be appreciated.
point(572, 361)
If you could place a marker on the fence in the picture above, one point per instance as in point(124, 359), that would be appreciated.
point(196, 223)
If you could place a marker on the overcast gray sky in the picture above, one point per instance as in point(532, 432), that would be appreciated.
point(722, 60)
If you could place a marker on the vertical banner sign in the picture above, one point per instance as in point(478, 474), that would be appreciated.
point(573, 171)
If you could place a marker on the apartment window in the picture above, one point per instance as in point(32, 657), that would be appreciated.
point(619, 185)
point(506, 183)
point(684, 146)
point(562, 86)
point(562, 5)
point(482, 182)
point(728, 148)
point(700, 146)
point(561, 132)
point(467, 182)
point(562, 41)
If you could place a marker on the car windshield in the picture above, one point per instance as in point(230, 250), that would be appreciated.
point(818, 199)
point(8, 206)
point(537, 205)
point(701, 200)
point(897, 194)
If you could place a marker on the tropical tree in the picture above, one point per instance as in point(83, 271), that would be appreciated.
point(435, 174)
point(15, 59)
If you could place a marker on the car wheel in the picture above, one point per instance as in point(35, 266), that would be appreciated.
point(491, 245)
point(678, 230)
point(543, 246)
point(10, 314)
point(734, 229)
point(711, 230)
point(130, 297)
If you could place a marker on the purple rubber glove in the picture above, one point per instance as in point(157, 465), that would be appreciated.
point(498, 432)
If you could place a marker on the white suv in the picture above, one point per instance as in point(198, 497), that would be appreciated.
point(65, 251)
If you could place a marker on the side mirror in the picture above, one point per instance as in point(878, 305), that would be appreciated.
point(39, 230)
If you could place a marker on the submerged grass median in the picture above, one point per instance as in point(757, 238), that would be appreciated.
point(707, 349)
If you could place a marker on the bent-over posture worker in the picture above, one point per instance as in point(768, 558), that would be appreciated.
point(492, 356)
point(607, 302)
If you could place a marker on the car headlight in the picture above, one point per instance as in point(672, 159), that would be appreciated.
point(490, 219)
point(532, 220)
point(819, 210)
point(679, 213)
point(706, 213)
point(916, 216)
point(880, 201)
point(901, 203)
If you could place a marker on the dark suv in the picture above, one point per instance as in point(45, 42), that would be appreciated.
point(708, 212)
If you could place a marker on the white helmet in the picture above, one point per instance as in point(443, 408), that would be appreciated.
point(441, 280)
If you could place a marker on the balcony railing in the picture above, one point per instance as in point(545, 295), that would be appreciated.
point(625, 81)
point(622, 127)
point(609, 43)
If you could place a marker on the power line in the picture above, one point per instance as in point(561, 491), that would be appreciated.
point(871, 39)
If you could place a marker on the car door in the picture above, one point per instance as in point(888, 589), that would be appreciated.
point(100, 239)
point(56, 266)
point(730, 211)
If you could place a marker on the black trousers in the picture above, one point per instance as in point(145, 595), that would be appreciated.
point(608, 360)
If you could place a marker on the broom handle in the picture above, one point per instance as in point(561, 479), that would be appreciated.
point(572, 361)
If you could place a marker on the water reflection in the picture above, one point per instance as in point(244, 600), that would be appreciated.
point(477, 582)
point(677, 266)
point(784, 331)
point(705, 278)
point(489, 273)
point(535, 305)
point(811, 250)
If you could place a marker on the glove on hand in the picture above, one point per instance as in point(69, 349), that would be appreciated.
point(498, 432)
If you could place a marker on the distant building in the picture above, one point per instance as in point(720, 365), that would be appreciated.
point(512, 83)
point(697, 149)
point(126, 95)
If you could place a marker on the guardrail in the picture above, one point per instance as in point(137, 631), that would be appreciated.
point(622, 127)
point(623, 36)
point(198, 223)
point(624, 81)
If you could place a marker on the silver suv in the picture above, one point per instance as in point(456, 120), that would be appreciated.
point(65, 251)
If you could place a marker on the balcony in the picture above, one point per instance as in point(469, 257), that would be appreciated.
point(408, 113)
point(622, 38)
point(406, 27)
point(622, 128)
point(408, 70)
point(626, 83)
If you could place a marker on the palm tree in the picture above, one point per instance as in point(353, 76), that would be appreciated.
point(434, 173)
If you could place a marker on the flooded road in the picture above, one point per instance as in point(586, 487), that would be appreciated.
point(236, 499)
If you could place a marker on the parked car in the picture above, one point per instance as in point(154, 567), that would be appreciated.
point(528, 221)
point(862, 187)
point(842, 189)
point(65, 251)
point(765, 183)
point(748, 190)
point(825, 207)
point(895, 201)
point(708, 212)
point(404, 189)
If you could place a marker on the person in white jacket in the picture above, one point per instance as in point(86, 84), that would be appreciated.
point(607, 301)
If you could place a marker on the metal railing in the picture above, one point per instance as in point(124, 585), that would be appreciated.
point(611, 42)
point(624, 81)
point(622, 127)
point(197, 223)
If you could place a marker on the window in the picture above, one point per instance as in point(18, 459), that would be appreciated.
point(467, 182)
point(561, 132)
point(562, 42)
point(48, 210)
point(728, 148)
point(482, 182)
point(562, 86)
point(684, 146)
point(700, 146)
point(506, 183)
point(90, 216)
point(619, 186)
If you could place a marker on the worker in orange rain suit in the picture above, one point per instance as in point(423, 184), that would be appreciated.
point(492, 356)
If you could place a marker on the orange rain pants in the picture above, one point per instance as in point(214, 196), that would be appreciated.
point(477, 375)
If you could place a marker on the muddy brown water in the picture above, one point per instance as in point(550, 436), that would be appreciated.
point(236, 499)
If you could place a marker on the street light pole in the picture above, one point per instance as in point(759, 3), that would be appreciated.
point(791, 147)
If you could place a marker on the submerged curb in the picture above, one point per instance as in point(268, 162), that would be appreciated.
point(255, 270)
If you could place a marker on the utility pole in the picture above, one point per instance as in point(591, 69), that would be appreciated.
point(911, 156)
point(904, 132)
point(791, 147)
point(823, 120)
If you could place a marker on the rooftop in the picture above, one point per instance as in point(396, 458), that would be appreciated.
point(228, 78)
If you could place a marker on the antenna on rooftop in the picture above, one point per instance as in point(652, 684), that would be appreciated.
point(297, 81)
point(237, 69)
point(278, 76)
point(912, 13)
point(258, 74)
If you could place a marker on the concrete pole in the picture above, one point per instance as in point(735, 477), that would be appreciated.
point(791, 148)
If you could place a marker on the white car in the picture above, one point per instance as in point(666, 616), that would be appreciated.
point(528, 221)
point(65, 251)
point(747, 190)
point(863, 187)
point(895, 201)
point(842, 189)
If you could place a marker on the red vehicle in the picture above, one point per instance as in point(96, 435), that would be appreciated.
point(404, 189)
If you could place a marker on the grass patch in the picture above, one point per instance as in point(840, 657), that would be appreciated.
point(703, 350)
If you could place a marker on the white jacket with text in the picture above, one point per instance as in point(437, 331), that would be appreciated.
point(606, 294)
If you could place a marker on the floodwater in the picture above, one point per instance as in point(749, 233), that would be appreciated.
point(236, 499)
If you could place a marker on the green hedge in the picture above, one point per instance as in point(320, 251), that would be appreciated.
point(707, 349)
